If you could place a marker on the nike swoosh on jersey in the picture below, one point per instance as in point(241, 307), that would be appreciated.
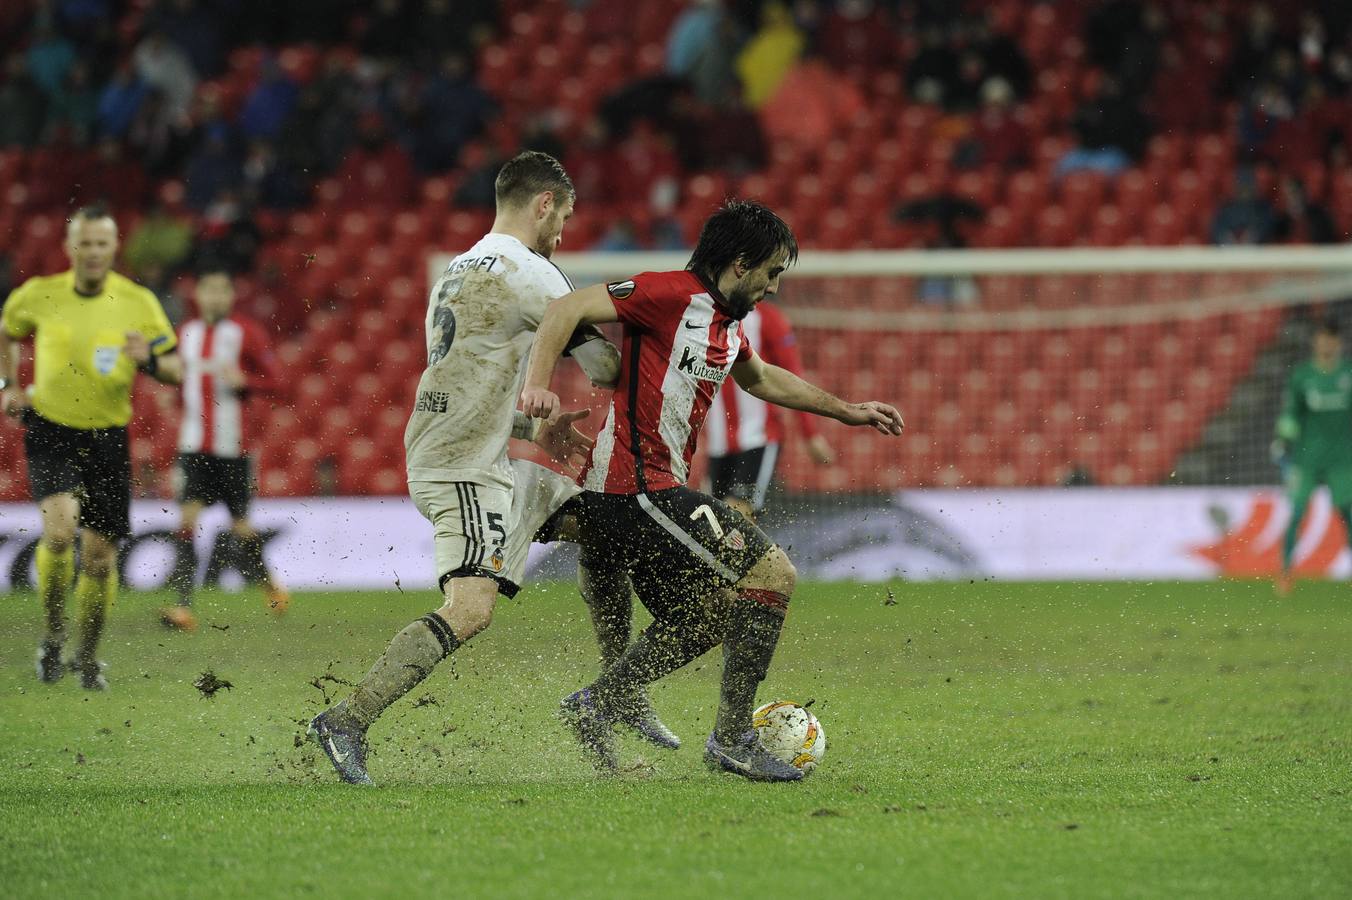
point(696, 325)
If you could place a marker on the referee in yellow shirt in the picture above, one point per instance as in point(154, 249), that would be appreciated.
point(92, 330)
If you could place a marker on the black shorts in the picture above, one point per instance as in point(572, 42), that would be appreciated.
point(210, 479)
point(94, 464)
point(678, 545)
point(744, 476)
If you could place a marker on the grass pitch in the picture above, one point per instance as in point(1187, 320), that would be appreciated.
point(984, 740)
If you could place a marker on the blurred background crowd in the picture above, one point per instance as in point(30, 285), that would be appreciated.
point(219, 116)
point(324, 149)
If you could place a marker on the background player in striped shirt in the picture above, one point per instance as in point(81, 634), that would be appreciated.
point(743, 434)
point(227, 360)
point(92, 331)
point(683, 549)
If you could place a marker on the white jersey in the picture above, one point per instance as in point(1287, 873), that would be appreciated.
point(481, 319)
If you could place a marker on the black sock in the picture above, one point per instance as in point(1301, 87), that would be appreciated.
point(661, 648)
point(250, 558)
point(753, 634)
point(612, 610)
point(184, 574)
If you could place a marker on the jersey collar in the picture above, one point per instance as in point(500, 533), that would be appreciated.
point(75, 286)
point(714, 292)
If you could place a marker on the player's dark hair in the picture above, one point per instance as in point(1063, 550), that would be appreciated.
point(741, 230)
point(529, 174)
point(1330, 327)
point(214, 267)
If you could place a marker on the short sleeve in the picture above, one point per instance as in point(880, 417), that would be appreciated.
point(646, 302)
point(744, 349)
point(159, 333)
point(17, 315)
point(547, 284)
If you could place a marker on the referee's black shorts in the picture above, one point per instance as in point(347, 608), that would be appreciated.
point(678, 545)
point(94, 464)
point(209, 479)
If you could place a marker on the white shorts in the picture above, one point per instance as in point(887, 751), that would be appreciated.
point(538, 495)
point(485, 531)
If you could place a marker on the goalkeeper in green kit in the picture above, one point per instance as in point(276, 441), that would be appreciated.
point(1314, 437)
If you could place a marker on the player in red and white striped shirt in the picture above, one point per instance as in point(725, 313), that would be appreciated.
point(744, 433)
point(684, 550)
point(227, 360)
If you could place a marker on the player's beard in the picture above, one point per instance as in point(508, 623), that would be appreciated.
point(740, 303)
point(549, 235)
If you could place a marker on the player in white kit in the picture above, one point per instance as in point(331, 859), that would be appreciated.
point(481, 319)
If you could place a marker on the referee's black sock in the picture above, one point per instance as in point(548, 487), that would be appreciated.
point(753, 634)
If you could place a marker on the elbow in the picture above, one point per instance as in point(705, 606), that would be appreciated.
point(603, 366)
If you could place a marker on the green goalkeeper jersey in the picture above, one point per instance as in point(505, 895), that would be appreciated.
point(1317, 414)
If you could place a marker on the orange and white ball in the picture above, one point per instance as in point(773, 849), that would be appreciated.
point(791, 733)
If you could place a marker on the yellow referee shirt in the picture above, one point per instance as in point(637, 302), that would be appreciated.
point(81, 378)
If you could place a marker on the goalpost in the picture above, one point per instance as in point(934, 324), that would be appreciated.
point(1128, 366)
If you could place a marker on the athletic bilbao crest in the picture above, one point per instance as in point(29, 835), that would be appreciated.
point(736, 540)
point(620, 289)
point(105, 359)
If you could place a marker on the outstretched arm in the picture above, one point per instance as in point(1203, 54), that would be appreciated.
point(589, 306)
point(783, 388)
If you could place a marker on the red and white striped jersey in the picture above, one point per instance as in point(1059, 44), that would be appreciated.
point(213, 413)
point(739, 421)
point(679, 346)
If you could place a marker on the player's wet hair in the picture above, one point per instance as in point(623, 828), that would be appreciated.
point(741, 230)
point(529, 174)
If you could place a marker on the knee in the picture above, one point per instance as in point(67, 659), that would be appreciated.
point(742, 506)
point(774, 573)
point(467, 616)
point(58, 539)
point(243, 530)
point(97, 562)
point(781, 575)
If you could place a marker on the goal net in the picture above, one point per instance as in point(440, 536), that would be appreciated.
point(1135, 366)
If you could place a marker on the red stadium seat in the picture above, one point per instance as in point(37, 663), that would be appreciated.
point(1135, 193)
point(1082, 193)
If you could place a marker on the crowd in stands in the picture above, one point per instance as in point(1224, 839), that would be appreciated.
point(324, 149)
point(242, 106)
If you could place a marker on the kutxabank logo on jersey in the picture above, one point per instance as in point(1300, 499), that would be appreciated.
point(693, 365)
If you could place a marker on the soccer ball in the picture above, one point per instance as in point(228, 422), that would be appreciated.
point(791, 733)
